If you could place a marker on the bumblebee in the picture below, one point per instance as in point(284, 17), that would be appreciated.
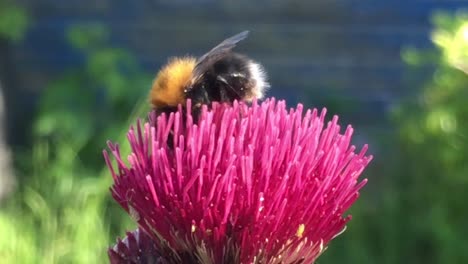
point(218, 76)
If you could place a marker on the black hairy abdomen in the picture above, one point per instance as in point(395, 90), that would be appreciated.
point(226, 80)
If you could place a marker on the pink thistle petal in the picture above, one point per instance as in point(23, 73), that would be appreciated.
point(245, 183)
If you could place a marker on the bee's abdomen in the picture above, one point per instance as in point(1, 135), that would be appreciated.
point(226, 80)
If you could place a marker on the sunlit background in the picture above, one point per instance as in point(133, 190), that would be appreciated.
point(76, 73)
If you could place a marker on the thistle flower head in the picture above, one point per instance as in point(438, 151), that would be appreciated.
point(246, 184)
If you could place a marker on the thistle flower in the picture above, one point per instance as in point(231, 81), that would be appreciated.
point(246, 184)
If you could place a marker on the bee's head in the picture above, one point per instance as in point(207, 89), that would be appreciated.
point(169, 84)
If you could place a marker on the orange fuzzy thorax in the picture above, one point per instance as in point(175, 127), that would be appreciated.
point(168, 87)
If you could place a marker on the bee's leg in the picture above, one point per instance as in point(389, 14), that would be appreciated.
point(167, 111)
point(224, 92)
point(199, 101)
point(206, 98)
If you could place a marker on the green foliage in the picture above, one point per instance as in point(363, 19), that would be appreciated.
point(13, 20)
point(433, 137)
point(419, 214)
point(62, 211)
point(90, 105)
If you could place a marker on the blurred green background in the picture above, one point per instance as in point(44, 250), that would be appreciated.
point(74, 74)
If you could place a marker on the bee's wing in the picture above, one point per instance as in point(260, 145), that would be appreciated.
point(217, 53)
